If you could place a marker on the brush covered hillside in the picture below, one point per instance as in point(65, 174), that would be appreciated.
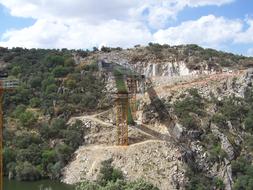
point(194, 125)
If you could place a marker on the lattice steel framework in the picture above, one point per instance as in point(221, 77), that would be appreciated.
point(132, 90)
point(122, 106)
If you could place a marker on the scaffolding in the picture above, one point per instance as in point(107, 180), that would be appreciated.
point(132, 90)
point(122, 106)
point(125, 97)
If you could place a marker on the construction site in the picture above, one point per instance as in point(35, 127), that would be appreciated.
point(155, 150)
point(161, 120)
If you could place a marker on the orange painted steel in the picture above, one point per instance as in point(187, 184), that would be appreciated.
point(122, 105)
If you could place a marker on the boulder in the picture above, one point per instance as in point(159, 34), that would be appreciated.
point(177, 131)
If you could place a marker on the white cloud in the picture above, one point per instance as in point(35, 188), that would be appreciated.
point(195, 3)
point(207, 31)
point(89, 10)
point(88, 23)
point(250, 52)
point(53, 34)
point(246, 37)
point(159, 11)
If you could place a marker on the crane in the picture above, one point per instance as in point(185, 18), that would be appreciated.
point(5, 85)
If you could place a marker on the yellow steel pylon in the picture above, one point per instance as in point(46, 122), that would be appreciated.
point(122, 105)
point(132, 90)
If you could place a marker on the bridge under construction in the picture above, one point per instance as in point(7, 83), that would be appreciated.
point(128, 84)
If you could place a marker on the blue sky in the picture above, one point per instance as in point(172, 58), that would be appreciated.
point(221, 24)
point(235, 10)
point(11, 22)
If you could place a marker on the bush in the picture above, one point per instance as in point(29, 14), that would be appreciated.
point(108, 173)
point(27, 119)
point(86, 185)
point(219, 119)
point(25, 139)
point(35, 82)
point(48, 156)
point(9, 156)
point(60, 71)
point(216, 153)
point(242, 171)
point(63, 152)
point(189, 108)
point(35, 102)
point(55, 170)
point(54, 60)
point(249, 123)
point(25, 171)
point(140, 185)
point(32, 154)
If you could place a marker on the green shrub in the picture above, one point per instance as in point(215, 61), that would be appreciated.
point(249, 123)
point(108, 173)
point(60, 71)
point(27, 119)
point(219, 119)
point(242, 170)
point(25, 171)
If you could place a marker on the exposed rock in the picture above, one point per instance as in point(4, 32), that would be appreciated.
point(152, 160)
point(177, 131)
point(225, 144)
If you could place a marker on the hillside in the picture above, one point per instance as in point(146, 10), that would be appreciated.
point(194, 127)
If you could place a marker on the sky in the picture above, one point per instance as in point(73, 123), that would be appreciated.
point(82, 24)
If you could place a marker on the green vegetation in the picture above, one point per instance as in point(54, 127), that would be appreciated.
point(30, 156)
point(111, 178)
point(39, 143)
point(242, 170)
point(216, 153)
point(195, 56)
point(198, 181)
point(189, 108)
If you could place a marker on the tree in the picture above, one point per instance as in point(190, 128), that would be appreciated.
point(35, 82)
point(54, 60)
point(48, 156)
point(27, 119)
point(63, 152)
point(69, 62)
point(25, 171)
point(249, 123)
point(140, 185)
point(35, 102)
point(108, 173)
point(70, 83)
point(9, 156)
point(55, 170)
point(15, 71)
point(60, 71)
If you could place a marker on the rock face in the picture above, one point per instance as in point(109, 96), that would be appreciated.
point(147, 157)
point(152, 154)
point(152, 160)
point(225, 144)
point(178, 131)
point(152, 67)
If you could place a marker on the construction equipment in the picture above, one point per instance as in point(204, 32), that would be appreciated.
point(122, 108)
point(132, 90)
point(5, 85)
point(126, 81)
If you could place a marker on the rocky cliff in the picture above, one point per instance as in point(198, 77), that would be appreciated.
point(202, 135)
